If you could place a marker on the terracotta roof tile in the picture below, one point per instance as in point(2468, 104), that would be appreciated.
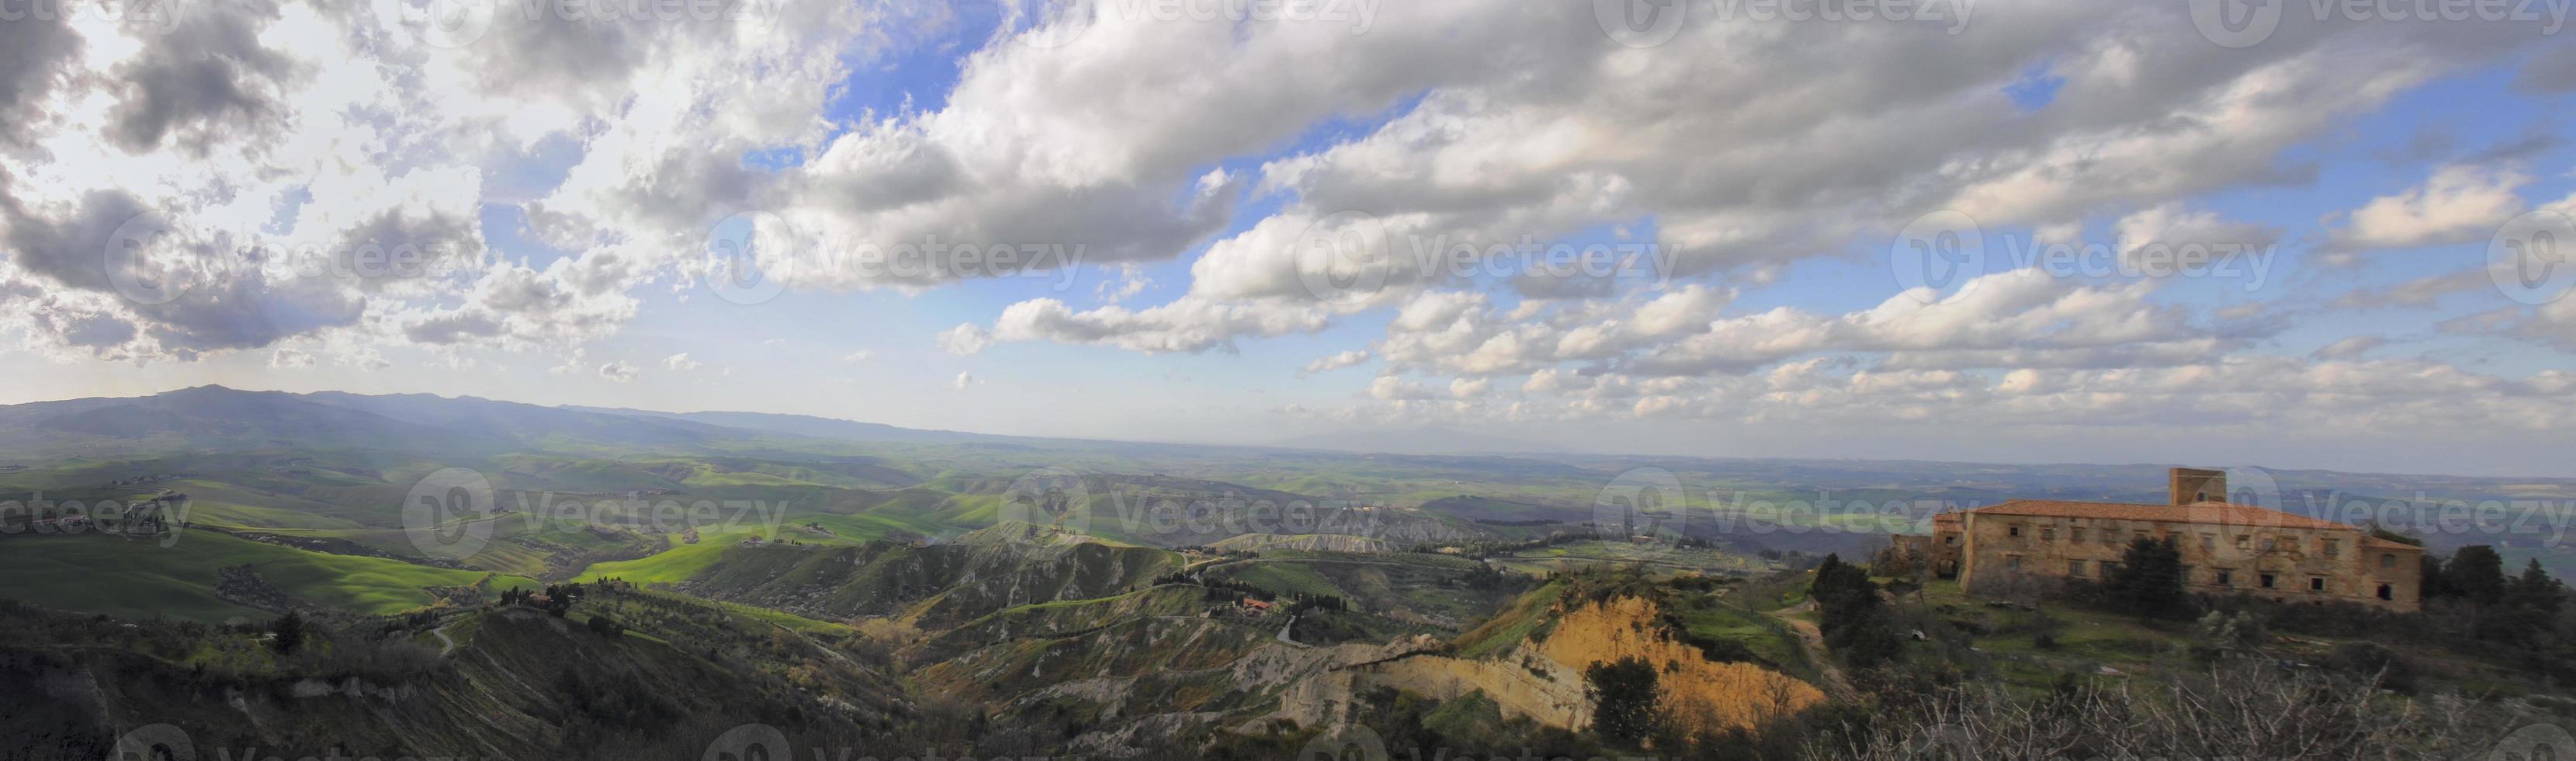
point(2204, 512)
point(2376, 543)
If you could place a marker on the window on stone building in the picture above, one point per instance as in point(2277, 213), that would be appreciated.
point(2077, 536)
point(2226, 578)
point(2385, 593)
point(2387, 561)
point(2270, 544)
point(2244, 542)
point(2012, 562)
point(2013, 531)
point(2209, 542)
point(2048, 535)
point(2074, 568)
point(1952, 540)
point(2316, 584)
point(2267, 581)
point(2334, 548)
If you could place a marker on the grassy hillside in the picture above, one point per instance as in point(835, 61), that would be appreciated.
point(139, 579)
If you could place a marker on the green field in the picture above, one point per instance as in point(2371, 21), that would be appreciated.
point(140, 579)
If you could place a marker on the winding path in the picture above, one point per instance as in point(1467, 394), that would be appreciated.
point(1814, 640)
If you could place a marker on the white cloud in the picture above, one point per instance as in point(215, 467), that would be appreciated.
point(2350, 347)
point(965, 340)
point(2456, 204)
point(681, 362)
point(1335, 361)
point(618, 372)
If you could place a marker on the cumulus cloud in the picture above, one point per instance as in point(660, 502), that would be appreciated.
point(1835, 134)
point(618, 372)
point(681, 362)
point(2457, 203)
point(1335, 361)
point(965, 340)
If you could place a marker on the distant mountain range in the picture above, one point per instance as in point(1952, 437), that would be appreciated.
point(1431, 440)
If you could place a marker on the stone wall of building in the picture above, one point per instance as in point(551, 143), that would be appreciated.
point(2300, 563)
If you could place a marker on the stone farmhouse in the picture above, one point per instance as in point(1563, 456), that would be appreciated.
point(2226, 548)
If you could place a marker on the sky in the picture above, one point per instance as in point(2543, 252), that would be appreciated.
point(2213, 232)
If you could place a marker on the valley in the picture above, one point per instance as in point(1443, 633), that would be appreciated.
point(643, 584)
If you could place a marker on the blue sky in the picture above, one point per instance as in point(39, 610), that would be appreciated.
point(1212, 163)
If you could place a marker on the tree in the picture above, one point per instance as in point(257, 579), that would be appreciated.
point(604, 626)
point(2476, 572)
point(1851, 615)
point(2148, 583)
point(289, 631)
point(1623, 699)
point(2524, 613)
point(2436, 583)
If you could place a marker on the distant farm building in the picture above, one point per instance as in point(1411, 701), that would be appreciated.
point(2226, 548)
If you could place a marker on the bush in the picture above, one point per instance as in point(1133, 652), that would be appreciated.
point(2373, 664)
point(1623, 694)
point(606, 627)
